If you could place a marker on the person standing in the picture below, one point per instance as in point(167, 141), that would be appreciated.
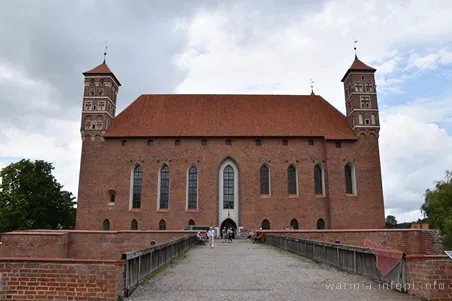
point(211, 236)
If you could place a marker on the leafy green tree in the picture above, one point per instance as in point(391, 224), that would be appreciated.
point(391, 221)
point(31, 198)
point(437, 208)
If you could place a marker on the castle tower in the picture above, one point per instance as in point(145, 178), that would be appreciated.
point(99, 101)
point(361, 98)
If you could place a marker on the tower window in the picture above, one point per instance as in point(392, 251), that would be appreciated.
point(338, 145)
point(284, 142)
point(358, 87)
point(101, 91)
point(101, 105)
point(150, 142)
point(204, 142)
point(228, 142)
point(101, 81)
point(91, 92)
point(258, 142)
point(92, 82)
point(124, 142)
point(310, 142)
point(369, 87)
point(177, 142)
point(112, 198)
point(367, 121)
point(88, 105)
point(362, 77)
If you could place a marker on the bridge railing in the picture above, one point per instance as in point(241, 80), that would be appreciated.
point(141, 264)
point(352, 259)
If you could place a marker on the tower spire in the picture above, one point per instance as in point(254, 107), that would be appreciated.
point(354, 43)
point(312, 86)
point(105, 52)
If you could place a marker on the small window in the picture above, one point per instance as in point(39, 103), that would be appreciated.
point(310, 142)
point(124, 142)
point(204, 142)
point(134, 225)
point(338, 145)
point(91, 92)
point(228, 142)
point(92, 82)
point(106, 225)
point(150, 142)
point(162, 225)
point(112, 198)
point(362, 77)
point(101, 91)
point(258, 142)
point(177, 142)
point(284, 142)
point(101, 81)
point(367, 121)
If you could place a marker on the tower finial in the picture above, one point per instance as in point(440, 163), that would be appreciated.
point(312, 86)
point(354, 43)
point(105, 53)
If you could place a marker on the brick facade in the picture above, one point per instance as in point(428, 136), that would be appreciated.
point(30, 279)
point(429, 277)
point(107, 168)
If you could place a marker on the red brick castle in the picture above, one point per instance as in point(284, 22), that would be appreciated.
point(270, 161)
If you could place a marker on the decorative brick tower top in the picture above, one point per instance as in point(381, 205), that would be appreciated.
point(99, 101)
point(361, 98)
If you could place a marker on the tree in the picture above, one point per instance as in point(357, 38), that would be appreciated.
point(31, 198)
point(437, 208)
point(391, 222)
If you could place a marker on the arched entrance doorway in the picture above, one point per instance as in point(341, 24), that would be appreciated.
point(228, 223)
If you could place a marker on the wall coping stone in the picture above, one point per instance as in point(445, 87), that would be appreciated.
point(62, 260)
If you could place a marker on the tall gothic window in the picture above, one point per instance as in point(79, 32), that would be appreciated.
point(228, 187)
point(265, 180)
point(164, 187)
point(292, 180)
point(106, 225)
point(318, 180)
point(134, 225)
point(137, 186)
point(192, 188)
point(350, 178)
point(162, 225)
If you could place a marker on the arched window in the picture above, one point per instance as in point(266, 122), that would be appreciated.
point(134, 225)
point(164, 187)
point(360, 119)
point(265, 180)
point(265, 224)
point(294, 224)
point(292, 179)
point(106, 225)
point(191, 222)
point(162, 225)
point(350, 179)
point(192, 188)
point(88, 122)
point(372, 119)
point(137, 186)
point(228, 187)
point(320, 224)
point(318, 179)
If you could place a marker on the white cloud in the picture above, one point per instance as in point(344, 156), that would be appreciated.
point(281, 59)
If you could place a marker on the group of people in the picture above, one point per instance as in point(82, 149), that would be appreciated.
point(255, 236)
point(227, 235)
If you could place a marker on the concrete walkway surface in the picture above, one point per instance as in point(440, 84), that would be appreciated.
point(244, 271)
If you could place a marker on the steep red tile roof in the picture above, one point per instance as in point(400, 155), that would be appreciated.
point(358, 65)
point(206, 115)
point(102, 69)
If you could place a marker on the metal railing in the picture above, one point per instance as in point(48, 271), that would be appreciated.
point(141, 264)
point(352, 259)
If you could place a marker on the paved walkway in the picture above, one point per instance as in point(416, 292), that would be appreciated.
point(244, 271)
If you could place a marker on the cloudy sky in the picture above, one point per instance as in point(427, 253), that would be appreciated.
point(262, 47)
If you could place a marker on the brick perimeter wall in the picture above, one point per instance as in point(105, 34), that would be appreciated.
point(81, 244)
point(409, 241)
point(58, 280)
point(429, 277)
